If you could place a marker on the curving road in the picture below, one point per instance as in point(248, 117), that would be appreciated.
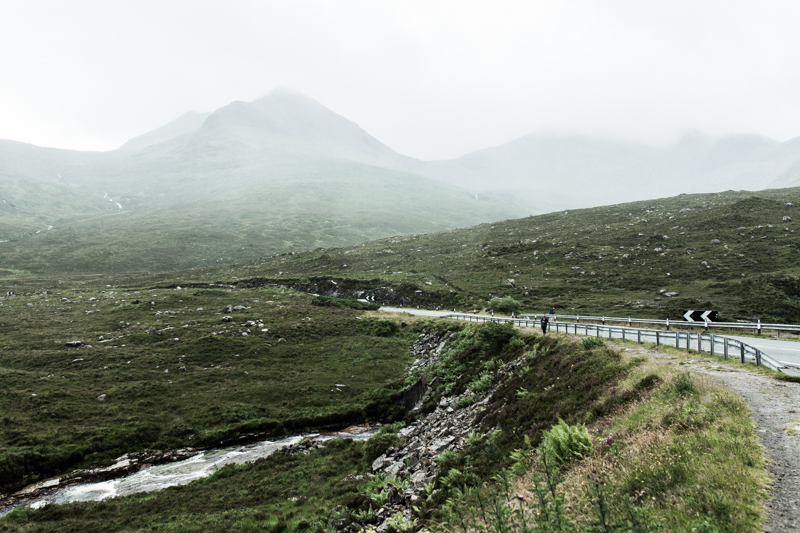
point(783, 351)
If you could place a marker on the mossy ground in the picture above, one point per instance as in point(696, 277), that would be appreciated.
point(201, 381)
point(731, 252)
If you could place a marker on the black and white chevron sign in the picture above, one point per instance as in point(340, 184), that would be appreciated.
point(700, 316)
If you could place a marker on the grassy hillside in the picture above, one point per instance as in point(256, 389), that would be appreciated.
point(337, 204)
point(672, 450)
point(174, 372)
point(730, 251)
point(28, 206)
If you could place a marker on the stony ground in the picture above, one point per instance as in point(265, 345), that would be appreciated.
point(776, 410)
point(775, 407)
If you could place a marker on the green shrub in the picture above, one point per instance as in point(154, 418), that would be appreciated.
point(683, 385)
point(496, 336)
point(564, 443)
point(392, 428)
point(378, 444)
point(516, 344)
point(506, 304)
point(385, 328)
point(592, 342)
point(647, 382)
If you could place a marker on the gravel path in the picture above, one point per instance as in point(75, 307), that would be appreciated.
point(775, 406)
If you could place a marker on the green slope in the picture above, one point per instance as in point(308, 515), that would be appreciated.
point(619, 259)
point(28, 206)
point(336, 204)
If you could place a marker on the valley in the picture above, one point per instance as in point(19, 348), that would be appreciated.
point(199, 288)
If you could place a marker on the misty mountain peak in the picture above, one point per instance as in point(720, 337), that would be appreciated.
point(186, 123)
point(286, 122)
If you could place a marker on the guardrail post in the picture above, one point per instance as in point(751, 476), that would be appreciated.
point(677, 339)
point(623, 334)
point(638, 336)
point(758, 357)
point(713, 339)
point(688, 341)
point(629, 320)
point(577, 318)
point(759, 326)
point(699, 342)
point(668, 324)
point(604, 320)
point(658, 338)
point(706, 325)
point(725, 348)
point(597, 331)
point(741, 345)
point(609, 333)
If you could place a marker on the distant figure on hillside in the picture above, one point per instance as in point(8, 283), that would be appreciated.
point(545, 322)
point(550, 311)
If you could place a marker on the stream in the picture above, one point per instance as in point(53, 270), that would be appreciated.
point(159, 477)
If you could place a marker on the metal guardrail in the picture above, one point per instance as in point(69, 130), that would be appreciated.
point(702, 342)
point(755, 326)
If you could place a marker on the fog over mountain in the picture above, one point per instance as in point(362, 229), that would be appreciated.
point(247, 155)
point(186, 123)
point(280, 135)
point(589, 171)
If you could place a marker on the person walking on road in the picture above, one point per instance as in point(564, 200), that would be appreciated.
point(545, 323)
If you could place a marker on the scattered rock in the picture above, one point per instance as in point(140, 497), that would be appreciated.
point(74, 344)
point(714, 241)
point(102, 397)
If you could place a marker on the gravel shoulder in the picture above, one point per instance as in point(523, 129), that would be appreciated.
point(775, 408)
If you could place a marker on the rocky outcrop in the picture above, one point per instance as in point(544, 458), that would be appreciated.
point(447, 428)
point(333, 289)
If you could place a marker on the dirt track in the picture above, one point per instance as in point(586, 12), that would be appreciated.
point(775, 406)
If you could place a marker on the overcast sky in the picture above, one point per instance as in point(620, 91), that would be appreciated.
point(430, 79)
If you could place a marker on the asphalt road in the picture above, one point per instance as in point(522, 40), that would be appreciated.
point(783, 351)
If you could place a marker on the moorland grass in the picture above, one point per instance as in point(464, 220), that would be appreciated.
point(681, 456)
point(282, 492)
point(730, 252)
point(185, 379)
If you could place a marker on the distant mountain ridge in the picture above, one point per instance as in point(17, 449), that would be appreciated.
point(285, 133)
point(285, 173)
point(595, 171)
point(186, 123)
